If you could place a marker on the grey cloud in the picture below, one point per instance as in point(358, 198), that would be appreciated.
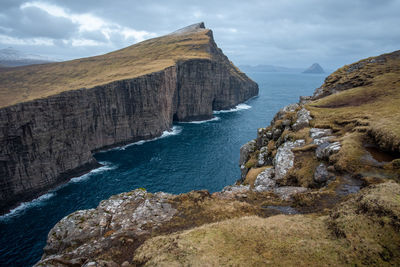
point(35, 22)
point(285, 32)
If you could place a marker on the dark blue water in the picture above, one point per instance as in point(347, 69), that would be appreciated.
point(195, 156)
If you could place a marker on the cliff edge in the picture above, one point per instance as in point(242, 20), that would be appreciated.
point(319, 184)
point(54, 116)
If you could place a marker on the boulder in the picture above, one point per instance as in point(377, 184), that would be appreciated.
point(284, 158)
point(289, 108)
point(318, 132)
point(265, 180)
point(231, 191)
point(262, 157)
point(303, 119)
point(325, 150)
point(245, 151)
point(86, 232)
point(286, 192)
point(321, 174)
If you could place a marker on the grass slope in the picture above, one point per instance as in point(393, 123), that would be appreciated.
point(364, 230)
point(31, 82)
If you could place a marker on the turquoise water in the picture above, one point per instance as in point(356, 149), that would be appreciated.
point(192, 156)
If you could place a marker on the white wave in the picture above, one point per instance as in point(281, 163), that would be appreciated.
point(237, 108)
point(40, 200)
point(199, 122)
point(25, 205)
point(174, 131)
point(106, 167)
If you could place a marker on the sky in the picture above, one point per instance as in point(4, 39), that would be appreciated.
point(293, 33)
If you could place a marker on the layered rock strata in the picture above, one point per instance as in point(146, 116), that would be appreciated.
point(46, 141)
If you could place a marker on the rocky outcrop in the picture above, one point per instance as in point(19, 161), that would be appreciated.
point(86, 232)
point(357, 74)
point(46, 141)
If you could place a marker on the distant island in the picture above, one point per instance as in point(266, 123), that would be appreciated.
point(314, 68)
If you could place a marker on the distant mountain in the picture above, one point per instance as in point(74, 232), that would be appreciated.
point(314, 68)
point(10, 57)
point(267, 68)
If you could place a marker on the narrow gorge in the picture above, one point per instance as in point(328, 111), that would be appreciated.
point(53, 117)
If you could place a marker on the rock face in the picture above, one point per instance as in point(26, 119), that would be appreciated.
point(46, 141)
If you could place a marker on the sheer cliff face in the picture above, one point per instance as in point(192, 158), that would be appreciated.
point(44, 142)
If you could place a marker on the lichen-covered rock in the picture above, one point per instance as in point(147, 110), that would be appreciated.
point(321, 174)
point(325, 150)
point(287, 192)
point(303, 119)
point(231, 191)
point(84, 233)
point(265, 181)
point(305, 99)
point(284, 158)
point(316, 133)
point(262, 157)
point(289, 108)
point(245, 151)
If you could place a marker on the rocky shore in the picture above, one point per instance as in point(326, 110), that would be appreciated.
point(51, 138)
point(311, 190)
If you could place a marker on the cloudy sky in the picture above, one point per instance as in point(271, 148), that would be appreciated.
point(291, 33)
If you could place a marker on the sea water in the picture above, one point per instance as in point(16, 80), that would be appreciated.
point(197, 155)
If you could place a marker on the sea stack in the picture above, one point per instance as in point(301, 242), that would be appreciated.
point(54, 116)
point(314, 68)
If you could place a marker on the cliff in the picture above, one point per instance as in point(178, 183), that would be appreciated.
point(54, 116)
point(318, 185)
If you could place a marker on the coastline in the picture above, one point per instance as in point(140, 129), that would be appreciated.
point(174, 130)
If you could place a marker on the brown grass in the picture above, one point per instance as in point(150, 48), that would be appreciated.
point(362, 231)
point(37, 81)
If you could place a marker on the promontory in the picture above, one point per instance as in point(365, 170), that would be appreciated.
point(54, 116)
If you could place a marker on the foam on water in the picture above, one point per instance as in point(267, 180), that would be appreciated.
point(21, 208)
point(199, 122)
point(25, 205)
point(237, 108)
point(174, 131)
point(106, 167)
